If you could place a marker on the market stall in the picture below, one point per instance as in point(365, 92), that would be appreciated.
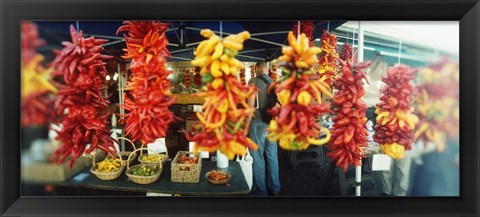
point(162, 107)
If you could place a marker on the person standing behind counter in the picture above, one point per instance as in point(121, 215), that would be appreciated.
point(265, 159)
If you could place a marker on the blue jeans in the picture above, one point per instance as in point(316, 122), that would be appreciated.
point(265, 155)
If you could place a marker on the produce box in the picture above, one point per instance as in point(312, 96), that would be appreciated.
point(185, 172)
point(45, 172)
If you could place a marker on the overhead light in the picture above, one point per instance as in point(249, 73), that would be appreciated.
point(365, 48)
point(317, 39)
point(115, 76)
point(169, 69)
point(108, 77)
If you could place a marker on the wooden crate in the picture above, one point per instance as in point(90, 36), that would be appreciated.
point(186, 173)
point(45, 172)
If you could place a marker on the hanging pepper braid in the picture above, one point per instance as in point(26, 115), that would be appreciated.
point(82, 67)
point(225, 108)
point(148, 116)
point(349, 132)
point(395, 120)
point(294, 125)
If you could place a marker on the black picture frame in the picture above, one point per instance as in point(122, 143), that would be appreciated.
point(12, 11)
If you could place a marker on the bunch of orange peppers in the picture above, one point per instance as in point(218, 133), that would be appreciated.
point(328, 60)
point(225, 109)
point(148, 116)
point(294, 124)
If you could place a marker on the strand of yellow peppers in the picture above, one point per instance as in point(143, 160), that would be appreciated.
point(147, 117)
point(328, 60)
point(37, 105)
point(82, 67)
point(294, 124)
point(349, 132)
point(395, 121)
point(222, 122)
point(437, 104)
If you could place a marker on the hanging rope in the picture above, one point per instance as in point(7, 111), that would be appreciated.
point(298, 30)
point(221, 29)
point(77, 25)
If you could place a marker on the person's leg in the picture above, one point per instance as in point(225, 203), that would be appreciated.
point(256, 133)
point(402, 175)
point(386, 178)
point(271, 150)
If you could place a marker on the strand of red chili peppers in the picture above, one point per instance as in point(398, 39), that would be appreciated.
point(272, 73)
point(395, 122)
point(223, 121)
point(349, 132)
point(147, 114)
point(188, 82)
point(294, 124)
point(328, 60)
point(197, 77)
point(346, 53)
point(306, 27)
point(37, 104)
point(242, 76)
point(82, 67)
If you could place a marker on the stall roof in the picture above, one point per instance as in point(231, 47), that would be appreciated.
point(267, 37)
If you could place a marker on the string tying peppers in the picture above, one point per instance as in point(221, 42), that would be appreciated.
point(147, 114)
point(294, 124)
point(395, 122)
point(349, 132)
point(37, 87)
point(328, 59)
point(225, 108)
point(83, 69)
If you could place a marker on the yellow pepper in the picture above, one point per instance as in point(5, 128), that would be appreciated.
point(304, 98)
point(393, 150)
point(223, 107)
point(273, 126)
point(286, 140)
point(217, 83)
point(284, 96)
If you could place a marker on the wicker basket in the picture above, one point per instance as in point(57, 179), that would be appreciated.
point(107, 176)
point(143, 180)
point(186, 173)
point(148, 162)
point(127, 153)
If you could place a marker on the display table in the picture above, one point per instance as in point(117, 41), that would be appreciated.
point(236, 186)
